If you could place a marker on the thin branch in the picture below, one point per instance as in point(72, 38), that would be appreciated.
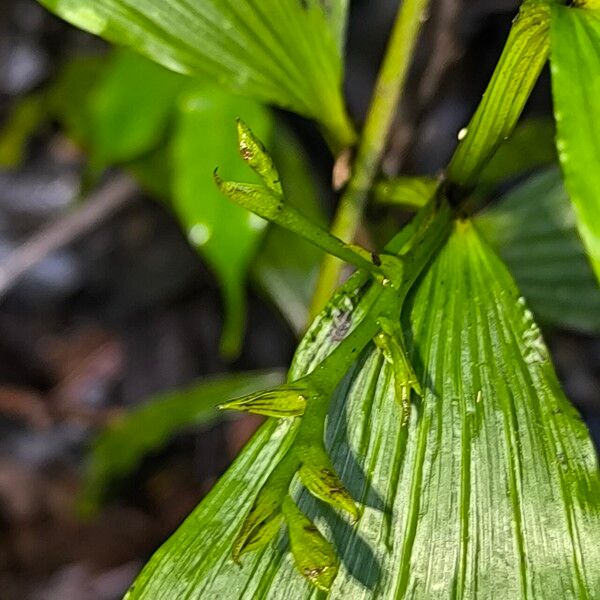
point(98, 207)
point(388, 91)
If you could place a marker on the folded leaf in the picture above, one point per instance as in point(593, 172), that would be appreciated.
point(576, 88)
point(277, 51)
point(226, 235)
point(494, 484)
point(120, 448)
point(534, 229)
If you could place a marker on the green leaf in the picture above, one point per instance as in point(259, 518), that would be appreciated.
point(516, 73)
point(493, 484)
point(130, 108)
point(576, 89)
point(120, 448)
point(276, 51)
point(226, 235)
point(533, 227)
point(337, 14)
point(70, 96)
point(408, 192)
point(530, 146)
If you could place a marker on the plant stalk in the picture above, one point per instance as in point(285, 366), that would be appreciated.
point(388, 90)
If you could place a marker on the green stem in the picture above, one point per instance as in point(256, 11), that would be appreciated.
point(388, 90)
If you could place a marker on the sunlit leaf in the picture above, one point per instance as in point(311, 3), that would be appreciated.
point(278, 51)
point(576, 89)
point(534, 229)
point(226, 235)
point(121, 447)
point(517, 71)
point(492, 490)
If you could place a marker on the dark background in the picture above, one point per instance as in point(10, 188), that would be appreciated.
point(129, 309)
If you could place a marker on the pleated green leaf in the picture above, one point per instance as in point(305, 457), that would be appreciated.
point(490, 491)
point(120, 448)
point(277, 51)
point(575, 36)
point(534, 229)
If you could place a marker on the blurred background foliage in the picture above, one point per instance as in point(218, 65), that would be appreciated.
point(113, 341)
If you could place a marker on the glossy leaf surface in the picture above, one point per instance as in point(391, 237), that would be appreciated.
point(278, 51)
point(576, 90)
point(517, 71)
point(534, 229)
point(490, 491)
point(120, 448)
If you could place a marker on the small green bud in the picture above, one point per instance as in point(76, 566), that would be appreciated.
point(254, 153)
point(320, 479)
point(314, 556)
point(284, 401)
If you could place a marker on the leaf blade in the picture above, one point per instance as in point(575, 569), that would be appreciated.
point(534, 229)
point(280, 52)
point(575, 35)
point(429, 527)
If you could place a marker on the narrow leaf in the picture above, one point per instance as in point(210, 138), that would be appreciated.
point(534, 229)
point(576, 89)
point(120, 448)
point(516, 73)
point(494, 485)
point(277, 51)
